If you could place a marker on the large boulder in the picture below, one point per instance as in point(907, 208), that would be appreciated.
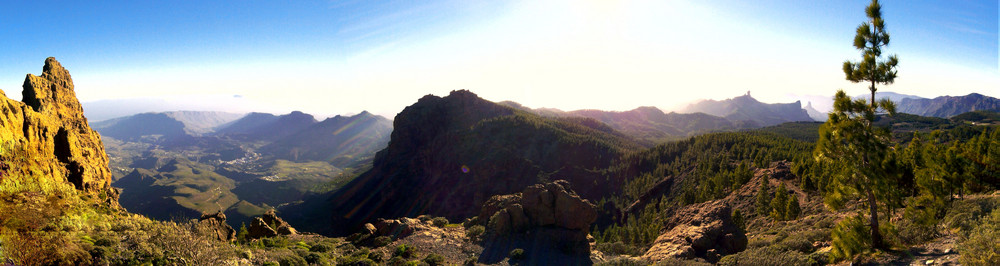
point(551, 210)
point(49, 125)
point(269, 225)
point(215, 225)
point(704, 230)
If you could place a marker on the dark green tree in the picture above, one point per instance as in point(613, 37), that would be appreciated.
point(763, 198)
point(870, 39)
point(779, 203)
point(857, 150)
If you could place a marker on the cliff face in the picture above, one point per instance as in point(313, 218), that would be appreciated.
point(50, 126)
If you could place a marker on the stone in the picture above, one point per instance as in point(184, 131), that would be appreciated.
point(368, 229)
point(538, 204)
point(258, 228)
point(215, 225)
point(50, 126)
point(702, 230)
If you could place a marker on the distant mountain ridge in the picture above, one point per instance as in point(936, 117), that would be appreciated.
point(746, 108)
point(342, 139)
point(948, 106)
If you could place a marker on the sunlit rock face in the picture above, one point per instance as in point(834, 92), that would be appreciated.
point(50, 127)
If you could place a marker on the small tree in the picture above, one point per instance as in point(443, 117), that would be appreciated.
point(779, 204)
point(857, 149)
point(792, 210)
point(763, 198)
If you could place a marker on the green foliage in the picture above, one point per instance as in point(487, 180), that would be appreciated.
point(979, 246)
point(440, 221)
point(434, 259)
point(769, 256)
point(850, 238)
point(516, 254)
point(381, 241)
point(622, 261)
point(870, 39)
point(619, 248)
point(405, 251)
point(475, 232)
point(739, 220)
point(779, 204)
point(763, 198)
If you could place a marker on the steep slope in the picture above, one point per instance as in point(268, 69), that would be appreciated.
point(448, 155)
point(746, 108)
point(178, 189)
point(259, 126)
point(652, 125)
point(49, 125)
point(338, 139)
point(815, 114)
point(947, 106)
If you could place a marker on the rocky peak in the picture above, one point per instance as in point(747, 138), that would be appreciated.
point(49, 124)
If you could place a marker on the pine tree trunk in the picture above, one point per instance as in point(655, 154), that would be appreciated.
point(873, 220)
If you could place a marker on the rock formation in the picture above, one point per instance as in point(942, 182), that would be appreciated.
point(540, 207)
point(215, 225)
point(49, 125)
point(704, 230)
point(269, 225)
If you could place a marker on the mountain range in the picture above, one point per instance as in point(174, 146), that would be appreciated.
point(746, 108)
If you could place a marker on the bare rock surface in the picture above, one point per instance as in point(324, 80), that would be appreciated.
point(703, 230)
point(215, 224)
point(49, 125)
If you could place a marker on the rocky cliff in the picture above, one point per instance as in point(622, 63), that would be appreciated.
point(49, 125)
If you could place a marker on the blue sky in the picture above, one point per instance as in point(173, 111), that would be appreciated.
point(333, 57)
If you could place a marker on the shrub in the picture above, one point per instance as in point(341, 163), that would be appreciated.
point(321, 247)
point(440, 221)
point(475, 232)
point(980, 246)
point(739, 220)
point(850, 238)
point(768, 256)
point(381, 241)
point(516, 254)
point(405, 251)
point(434, 259)
point(292, 260)
point(315, 258)
point(619, 248)
point(622, 261)
point(471, 261)
point(396, 261)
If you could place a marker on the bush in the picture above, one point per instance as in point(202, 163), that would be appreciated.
point(619, 248)
point(405, 251)
point(516, 254)
point(475, 232)
point(292, 260)
point(321, 247)
point(434, 259)
point(440, 221)
point(768, 256)
point(381, 241)
point(471, 261)
point(850, 238)
point(979, 246)
point(622, 261)
point(315, 258)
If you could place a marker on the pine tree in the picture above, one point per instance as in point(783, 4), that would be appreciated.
point(856, 149)
point(763, 198)
point(793, 210)
point(779, 203)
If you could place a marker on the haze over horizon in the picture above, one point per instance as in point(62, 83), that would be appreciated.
point(341, 57)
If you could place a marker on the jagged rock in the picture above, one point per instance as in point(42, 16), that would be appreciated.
point(369, 229)
point(269, 225)
point(216, 225)
point(258, 228)
point(398, 228)
point(283, 228)
point(781, 170)
point(702, 230)
point(49, 124)
point(549, 212)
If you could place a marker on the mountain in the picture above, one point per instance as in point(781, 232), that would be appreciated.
point(815, 114)
point(50, 128)
point(947, 106)
point(895, 97)
point(447, 156)
point(268, 127)
point(339, 139)
point(653, 126)
point(135, 127)
point(746, 108)
point(202, 122)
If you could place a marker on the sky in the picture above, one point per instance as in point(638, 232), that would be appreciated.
point(343, 57)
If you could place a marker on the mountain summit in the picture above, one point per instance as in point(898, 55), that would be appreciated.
point(746, 108)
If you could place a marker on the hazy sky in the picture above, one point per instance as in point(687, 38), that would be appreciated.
point(333, 57)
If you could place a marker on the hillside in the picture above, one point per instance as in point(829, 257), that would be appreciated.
point(256, 126)
point(202, 122)
point(446, 156)
point(342, 140)
point(135, 127)
point(947, 106)
point(746, 108)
